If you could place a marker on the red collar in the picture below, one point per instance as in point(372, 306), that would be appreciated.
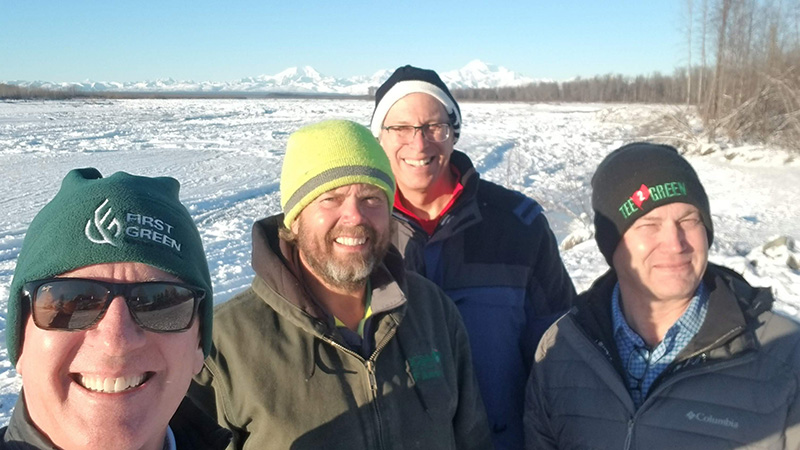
point(429, 225)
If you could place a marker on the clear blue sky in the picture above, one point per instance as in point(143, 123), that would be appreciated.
point(204, 40)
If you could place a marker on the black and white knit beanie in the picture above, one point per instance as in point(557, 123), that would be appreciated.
point(636, 179)
point(409, 80)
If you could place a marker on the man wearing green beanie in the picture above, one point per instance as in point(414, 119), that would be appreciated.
point(109, 317)
point(335, 345)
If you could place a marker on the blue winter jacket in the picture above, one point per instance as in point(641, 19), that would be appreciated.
point(494, 254)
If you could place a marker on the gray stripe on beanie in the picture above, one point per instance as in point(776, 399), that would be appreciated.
point(334, 174)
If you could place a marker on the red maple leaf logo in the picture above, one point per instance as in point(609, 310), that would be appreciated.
point(640, 196)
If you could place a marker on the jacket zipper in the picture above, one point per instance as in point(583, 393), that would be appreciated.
point(629, 436)
point(373, 381)
point(369, 364)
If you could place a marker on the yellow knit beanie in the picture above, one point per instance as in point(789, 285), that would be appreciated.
point(328, 155)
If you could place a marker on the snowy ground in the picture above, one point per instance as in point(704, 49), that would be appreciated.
point(227, 155)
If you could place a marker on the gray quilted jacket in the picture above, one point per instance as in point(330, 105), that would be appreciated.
point(735, 386)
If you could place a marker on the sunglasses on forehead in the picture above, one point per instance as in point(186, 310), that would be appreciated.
point(77, 304)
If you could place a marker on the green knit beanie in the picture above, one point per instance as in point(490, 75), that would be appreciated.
point(122, 218)
point(328, 155)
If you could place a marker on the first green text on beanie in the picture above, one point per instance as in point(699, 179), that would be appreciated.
point(121, 218)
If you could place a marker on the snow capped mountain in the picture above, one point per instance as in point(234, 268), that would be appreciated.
point(300, 80)
point(478, 74)
point(362, 84)
point(294, 79)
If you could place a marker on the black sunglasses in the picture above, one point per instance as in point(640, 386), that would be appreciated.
point(77, 303)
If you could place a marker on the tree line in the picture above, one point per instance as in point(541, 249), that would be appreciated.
point(655, 88)
point(13, 92)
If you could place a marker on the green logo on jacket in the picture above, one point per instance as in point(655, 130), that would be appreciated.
point(426, 366)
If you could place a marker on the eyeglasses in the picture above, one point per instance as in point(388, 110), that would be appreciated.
point(77, 304)
point(433, 132)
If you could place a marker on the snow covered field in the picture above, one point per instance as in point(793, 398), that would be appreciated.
point(227, 155)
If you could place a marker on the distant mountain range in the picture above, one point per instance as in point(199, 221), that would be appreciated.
point(295, 80)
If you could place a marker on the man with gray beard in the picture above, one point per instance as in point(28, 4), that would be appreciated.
point(334, 345)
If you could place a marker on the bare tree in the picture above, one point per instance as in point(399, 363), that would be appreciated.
point(724, 11)
point(703, 65)
point(689, 26)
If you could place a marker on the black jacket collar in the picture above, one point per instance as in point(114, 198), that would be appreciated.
point(733, 310)
point(193, 430)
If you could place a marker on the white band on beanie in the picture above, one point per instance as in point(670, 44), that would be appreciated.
point(403, 88)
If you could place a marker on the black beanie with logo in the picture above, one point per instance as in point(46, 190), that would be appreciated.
point(636, 179)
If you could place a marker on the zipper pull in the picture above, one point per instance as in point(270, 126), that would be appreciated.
point(629, 437)
point(373, 381)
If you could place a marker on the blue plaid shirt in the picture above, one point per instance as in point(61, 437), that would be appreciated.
point(643, 365)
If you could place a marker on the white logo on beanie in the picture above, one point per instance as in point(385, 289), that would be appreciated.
point(105, 225)
point(139, 227)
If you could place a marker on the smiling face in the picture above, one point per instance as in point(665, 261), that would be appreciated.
point(663, 256)
point(420, 165)
point(343, 234)
point(113, 385)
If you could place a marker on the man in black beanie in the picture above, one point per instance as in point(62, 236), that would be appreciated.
point(489, 248)
point(665, 350)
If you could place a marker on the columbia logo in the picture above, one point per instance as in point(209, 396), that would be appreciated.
point(709, 419)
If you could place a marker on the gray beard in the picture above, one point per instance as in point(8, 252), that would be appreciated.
point(350, 274)
point(348, 277)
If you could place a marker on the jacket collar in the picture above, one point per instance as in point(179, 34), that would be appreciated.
point(21, 434)
point(733, 310)
point(734, 307)
point(469, 176)
point(192, 429)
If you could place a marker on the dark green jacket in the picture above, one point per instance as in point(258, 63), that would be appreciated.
point(736, 384)
point(280, 377)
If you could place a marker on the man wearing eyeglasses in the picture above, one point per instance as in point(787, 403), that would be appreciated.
point(109, 317)
point(335, 345)
point(666, 350)
point(490, 249)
